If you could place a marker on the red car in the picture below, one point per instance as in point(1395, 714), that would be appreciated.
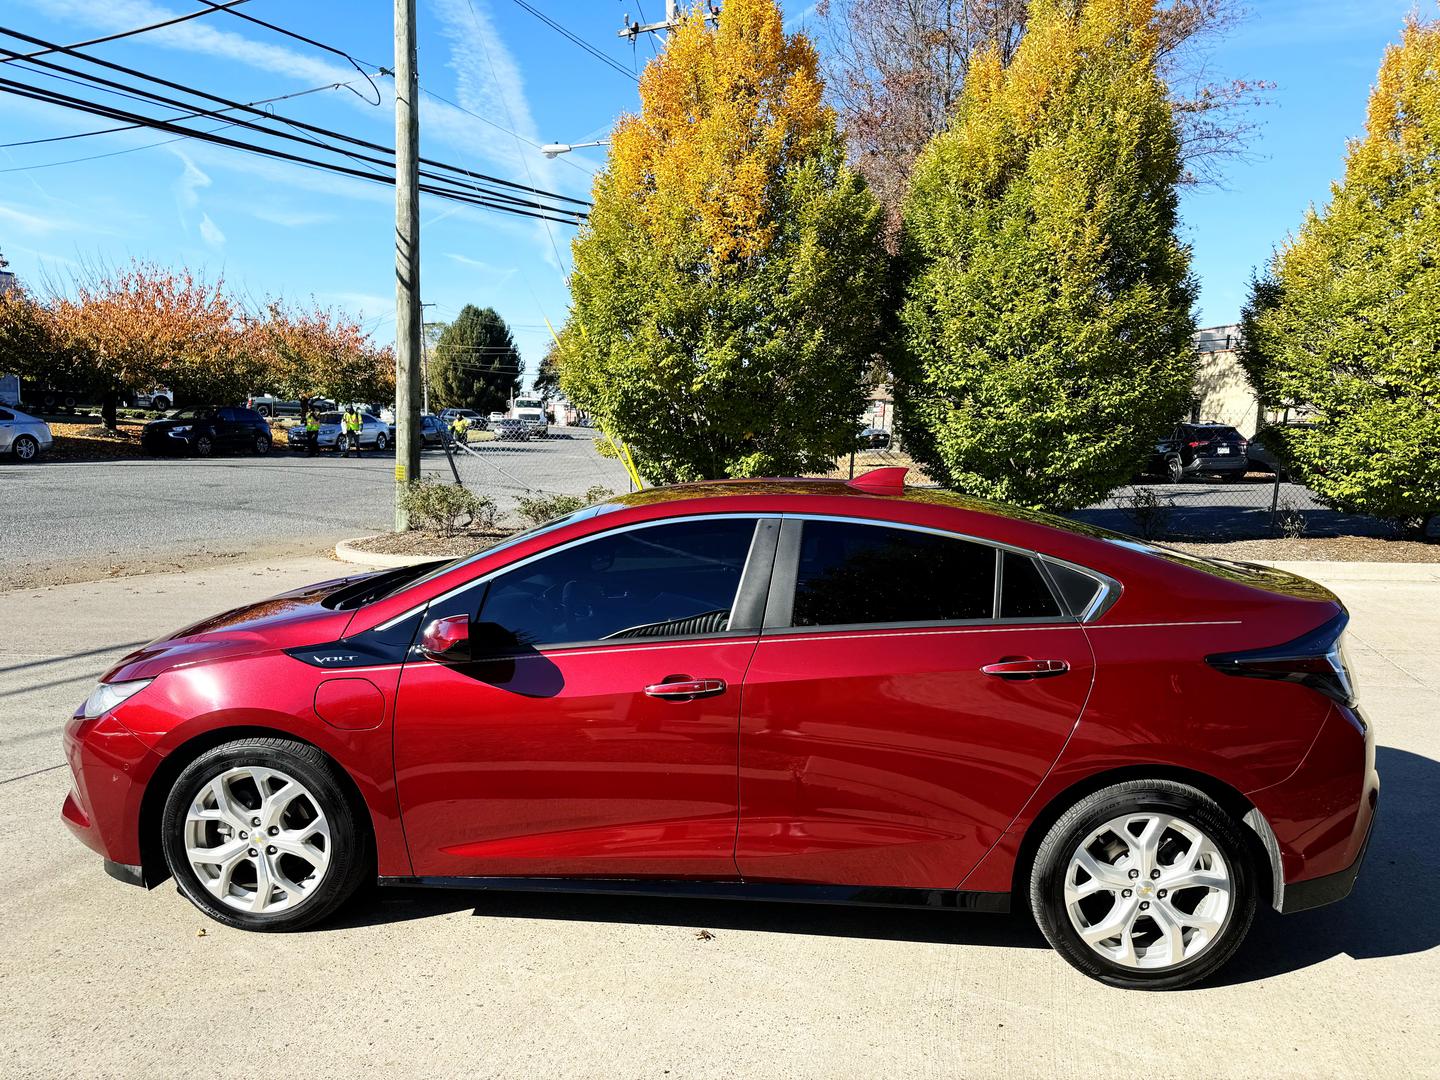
point(778, 689)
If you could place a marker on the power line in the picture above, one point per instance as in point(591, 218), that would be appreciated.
point(578, 41)
point(474, 197)
point(227, 8)
point(213, 7)
point(267, 115)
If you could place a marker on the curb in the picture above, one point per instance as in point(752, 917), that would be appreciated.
point(346, 551)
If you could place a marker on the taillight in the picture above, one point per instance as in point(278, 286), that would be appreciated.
point(1316, 660)
point(1197, 442)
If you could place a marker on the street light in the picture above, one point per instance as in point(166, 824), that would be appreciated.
point(555, 149)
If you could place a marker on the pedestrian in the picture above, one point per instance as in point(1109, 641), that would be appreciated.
point(351, 422)
point(312, 435)
point(460, 428)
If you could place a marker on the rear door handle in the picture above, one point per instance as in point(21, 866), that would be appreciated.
point(1026, 669)
point(686, 689)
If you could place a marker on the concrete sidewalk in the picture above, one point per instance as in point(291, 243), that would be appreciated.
point(101, 978)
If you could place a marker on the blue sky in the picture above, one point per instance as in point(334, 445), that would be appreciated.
point(272, 228)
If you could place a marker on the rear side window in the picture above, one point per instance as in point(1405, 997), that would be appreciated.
point(231, 415)
point(673, 580)
point(852, 573)
point(1077, 589)
point(1024, 593)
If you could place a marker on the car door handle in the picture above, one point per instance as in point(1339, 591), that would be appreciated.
point(1026, 669)
point(686, 689)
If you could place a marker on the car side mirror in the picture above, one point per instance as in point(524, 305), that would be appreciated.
point(447, 640)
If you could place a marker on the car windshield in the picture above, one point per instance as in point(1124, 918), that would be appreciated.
point(330, 418)
point(549, 526)
point(189, 414)
point(1227, 433)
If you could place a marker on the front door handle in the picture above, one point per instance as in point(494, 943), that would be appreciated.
point(686, 689)
point(1026, 669)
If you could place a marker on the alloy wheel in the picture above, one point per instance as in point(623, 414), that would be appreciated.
point(1148, 890)
point(26, 448)
point(258, 840)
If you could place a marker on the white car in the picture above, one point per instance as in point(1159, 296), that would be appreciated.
point(22, 436)
point(373, 432)
point(159, 398)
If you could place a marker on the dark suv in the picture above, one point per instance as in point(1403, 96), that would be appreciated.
point(1201, 450)
point(205, 429)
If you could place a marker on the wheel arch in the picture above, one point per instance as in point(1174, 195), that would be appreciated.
point(152, 802)
point(1264, 851)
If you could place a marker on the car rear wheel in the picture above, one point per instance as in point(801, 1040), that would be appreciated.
point(381, 442)
point(1174, 470)
point(204, 447)
point(25, 449)
point(262, 444)
point(1146, 885)
point(259, 835)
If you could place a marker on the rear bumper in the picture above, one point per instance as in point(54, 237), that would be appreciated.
point(1317, 892)
point(1218, 466)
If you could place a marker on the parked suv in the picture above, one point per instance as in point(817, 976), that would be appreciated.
point(1194, 450)
point(204, 429)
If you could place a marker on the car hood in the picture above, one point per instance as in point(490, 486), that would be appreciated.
point(292, 619)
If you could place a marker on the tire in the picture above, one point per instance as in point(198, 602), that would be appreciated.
point(1176, 939)
point(161, 403)
point(262, 444)
point(381, 442)
point(25, 449)
point(204, 446)
point(315, 818)
point(1174, 470)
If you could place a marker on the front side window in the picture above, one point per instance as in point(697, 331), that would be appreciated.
point(852, 573)
point(670, 580)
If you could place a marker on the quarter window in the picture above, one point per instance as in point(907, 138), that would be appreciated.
point(854, 573)
point(669, 580)
point(1023, 591)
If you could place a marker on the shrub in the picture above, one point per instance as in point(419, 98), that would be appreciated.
point(538, 509)
point(446, 508)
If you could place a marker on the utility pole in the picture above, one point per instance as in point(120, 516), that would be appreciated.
point(672, 20)
point(407, 259)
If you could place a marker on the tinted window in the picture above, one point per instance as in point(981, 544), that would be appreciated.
point(666, 580)
point(233, 415)
point(852, 573)
point(5, 415)
point(1077, 589)
point(1024, 593)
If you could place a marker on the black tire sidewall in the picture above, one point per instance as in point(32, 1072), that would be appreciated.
point(348, 857)
point(25, 440)
point(1179, 800)
point(262, 445)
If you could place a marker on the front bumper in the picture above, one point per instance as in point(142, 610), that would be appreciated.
point(109, 769)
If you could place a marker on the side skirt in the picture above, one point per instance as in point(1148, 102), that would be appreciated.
point(785, 892)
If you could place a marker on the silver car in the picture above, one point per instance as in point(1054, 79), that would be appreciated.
point(23, 437)
point(373, 431)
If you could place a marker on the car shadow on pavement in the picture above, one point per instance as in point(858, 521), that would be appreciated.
point(826, 920)
point(1403, 861)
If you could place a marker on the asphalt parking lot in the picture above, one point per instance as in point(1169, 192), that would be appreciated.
point(103, 979)
point(91, 517)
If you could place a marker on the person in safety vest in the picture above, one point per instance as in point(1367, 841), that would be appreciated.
point(312, 435)
point(351, 422)
point(460, 428)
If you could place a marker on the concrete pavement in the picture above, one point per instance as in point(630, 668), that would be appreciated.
point(102, 979)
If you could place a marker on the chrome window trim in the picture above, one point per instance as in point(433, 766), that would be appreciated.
point(753, 516)
point(1108, 592)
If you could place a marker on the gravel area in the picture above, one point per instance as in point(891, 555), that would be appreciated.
point(422, 543)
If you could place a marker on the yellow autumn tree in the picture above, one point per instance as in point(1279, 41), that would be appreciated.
point(729, 290)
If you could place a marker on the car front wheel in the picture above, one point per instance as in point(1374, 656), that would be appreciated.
point(381, 442)
point(259, 835)
point(25, 449)
point(204, 447)
point(1146, 885)
point(262, 444)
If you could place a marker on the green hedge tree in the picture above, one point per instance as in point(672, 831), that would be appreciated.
point(476, 364)
point(1347, 321)
point(1046, 325)
point(729, 288)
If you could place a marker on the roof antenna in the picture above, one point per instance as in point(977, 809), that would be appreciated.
point(887, 481)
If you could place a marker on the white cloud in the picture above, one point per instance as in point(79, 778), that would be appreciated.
point(30, 223)
point(291, 219)
point(210, 232)
point(192, 179)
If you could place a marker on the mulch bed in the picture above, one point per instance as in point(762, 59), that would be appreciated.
point(1319, 549)
point(441, 547)
point(92, 442)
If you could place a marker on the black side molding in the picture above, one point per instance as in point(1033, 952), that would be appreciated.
point(997, 903)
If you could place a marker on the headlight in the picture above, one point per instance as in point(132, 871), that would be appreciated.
point(184, 429)
point(108, 695)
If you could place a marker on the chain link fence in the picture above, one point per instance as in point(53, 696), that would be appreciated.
point(563, 461)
